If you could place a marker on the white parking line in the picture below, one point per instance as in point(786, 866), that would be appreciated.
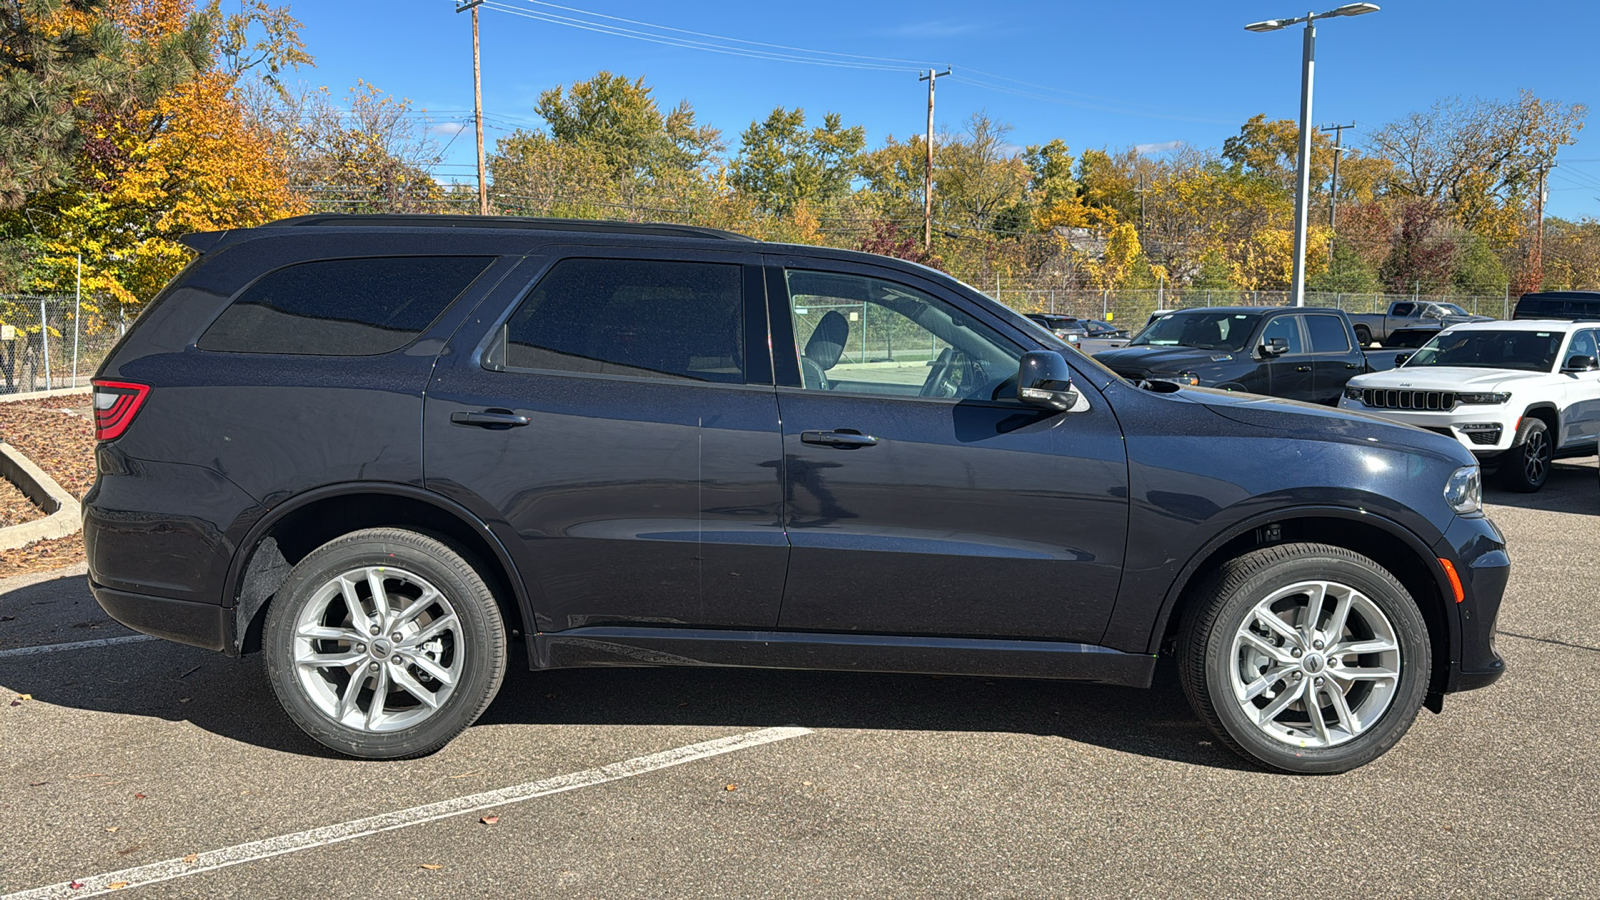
point(75, 645)
point(167, 870)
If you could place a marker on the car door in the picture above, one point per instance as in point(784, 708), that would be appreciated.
point(1290, 373)
point(916, 501)
point(1580, 420)
point(612, 417)
point(1333, 356)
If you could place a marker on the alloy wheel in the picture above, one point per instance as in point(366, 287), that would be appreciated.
point(1536, 456)
point(378, 649)
point(1315, 664)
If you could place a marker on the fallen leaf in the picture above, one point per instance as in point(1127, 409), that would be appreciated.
point(191, 857)
point(431, 866)
point(731, 787)
point(489, 820)
point(24, 696)
point(138, 796)
point(114, 829)
point(74, 884)
point(806, 783)
point(117, 885)
point(37, 783)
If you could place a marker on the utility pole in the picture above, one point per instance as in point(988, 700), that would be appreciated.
point(1538, 229)
point(1140, 191)
point(927, 178)
point(1333, 189)
point(477, 102)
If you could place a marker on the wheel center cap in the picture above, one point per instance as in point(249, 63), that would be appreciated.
point(380, 649)
point(1312, 663)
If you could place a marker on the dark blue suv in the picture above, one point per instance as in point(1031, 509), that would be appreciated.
point(378, 449)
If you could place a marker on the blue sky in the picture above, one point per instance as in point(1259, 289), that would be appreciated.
point(1094, 74)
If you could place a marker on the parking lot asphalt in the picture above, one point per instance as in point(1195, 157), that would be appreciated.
point(176, 767)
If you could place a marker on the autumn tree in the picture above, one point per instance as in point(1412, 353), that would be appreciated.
point(1422, 256)
point(782, 163)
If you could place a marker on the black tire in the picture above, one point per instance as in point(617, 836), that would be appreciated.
point(1209, 660)
point(464, 661)
point(1363, 335)
point(1526, 466)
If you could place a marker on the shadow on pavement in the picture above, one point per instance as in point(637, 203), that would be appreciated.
point(232, 698)
point(1573, 487)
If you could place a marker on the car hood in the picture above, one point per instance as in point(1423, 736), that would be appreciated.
point(1326, 422)
point(1446, 378)
point(1170, 360)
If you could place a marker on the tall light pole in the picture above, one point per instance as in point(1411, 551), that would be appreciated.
point(1302, 175)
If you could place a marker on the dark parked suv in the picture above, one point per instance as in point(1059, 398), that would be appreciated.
point(376, 449)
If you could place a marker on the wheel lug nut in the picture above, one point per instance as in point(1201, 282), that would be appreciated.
point(1317, 645)
point(375, 630)
point(1295, 652)
point(395, 636)
point(1297, 676)
point(373, 667)
point(1319, 682)
point(361, 648)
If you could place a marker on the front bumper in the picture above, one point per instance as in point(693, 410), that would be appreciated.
point(1485, 429)
point(1477, 550)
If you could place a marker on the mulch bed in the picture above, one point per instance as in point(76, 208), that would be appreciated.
point(57, 433)
point(15, 507)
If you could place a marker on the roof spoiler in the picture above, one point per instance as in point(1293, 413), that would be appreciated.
point(202, 241)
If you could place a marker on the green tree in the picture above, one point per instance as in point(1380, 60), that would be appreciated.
point(1347, 273)
point(620, 121)
point(781, 163)
point(1478, 269)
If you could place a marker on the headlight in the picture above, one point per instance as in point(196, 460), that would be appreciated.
point(1483, 398)
point(1352, 393)
point(1464, 490)
point(1189, 378)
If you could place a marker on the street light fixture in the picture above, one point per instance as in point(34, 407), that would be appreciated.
point(1302, 187)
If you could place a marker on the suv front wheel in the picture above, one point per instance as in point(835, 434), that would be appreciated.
point(1307, 658)
point(385, 644)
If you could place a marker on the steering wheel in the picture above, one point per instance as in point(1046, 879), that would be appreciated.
point(953, 371)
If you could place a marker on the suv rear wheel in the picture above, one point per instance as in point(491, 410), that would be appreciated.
point(385, 644)
point(1305, 657)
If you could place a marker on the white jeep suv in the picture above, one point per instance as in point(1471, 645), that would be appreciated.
point(1519, 393)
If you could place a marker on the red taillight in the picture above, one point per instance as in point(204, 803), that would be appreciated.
point(115, 405)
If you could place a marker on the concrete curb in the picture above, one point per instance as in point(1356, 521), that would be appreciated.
point(64, 515)
point(35, 395)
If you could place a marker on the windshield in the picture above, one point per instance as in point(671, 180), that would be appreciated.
point(1452, 309)
point(1205, 330)
point(1530, 351)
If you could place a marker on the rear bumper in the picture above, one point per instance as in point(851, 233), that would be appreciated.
point(204, 625)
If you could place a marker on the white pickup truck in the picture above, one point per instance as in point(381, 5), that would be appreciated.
point(1517, 394)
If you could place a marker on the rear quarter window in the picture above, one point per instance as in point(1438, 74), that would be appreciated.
point(342, 307)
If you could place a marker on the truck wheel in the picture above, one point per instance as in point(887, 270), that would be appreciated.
point(1526, 466)
point(1307, 658)
point(1363, 335)
point(384, 644)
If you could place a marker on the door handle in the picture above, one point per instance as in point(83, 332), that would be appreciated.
point(844, 440)
point(489, 418)
point(1351, 366)
point(1302, 368)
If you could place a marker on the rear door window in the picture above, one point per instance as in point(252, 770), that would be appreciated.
point(342, 307)
point(639, 317)
point(1328, 334)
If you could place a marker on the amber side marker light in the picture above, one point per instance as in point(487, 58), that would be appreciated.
point(1455, 580)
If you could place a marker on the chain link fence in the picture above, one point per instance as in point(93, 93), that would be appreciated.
point(1130, 308)
point(51, 342)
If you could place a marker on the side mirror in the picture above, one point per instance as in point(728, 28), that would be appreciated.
point(1275, 346)
point(1577, 364)
point(1044, 379)
point(1400, 359)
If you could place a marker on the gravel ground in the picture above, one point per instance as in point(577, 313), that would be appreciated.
point(123, 755)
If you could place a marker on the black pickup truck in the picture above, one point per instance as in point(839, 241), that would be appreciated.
point(1301, 353)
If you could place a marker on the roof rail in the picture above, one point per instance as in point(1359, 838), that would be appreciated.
point(435, 220)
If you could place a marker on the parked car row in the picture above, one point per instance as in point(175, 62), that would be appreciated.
point(1517, 394)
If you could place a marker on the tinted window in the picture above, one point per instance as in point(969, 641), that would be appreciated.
point(1583, 344)
point(629, 317)
point(343, 307)
point(1286, 328)
point(1327, 334)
